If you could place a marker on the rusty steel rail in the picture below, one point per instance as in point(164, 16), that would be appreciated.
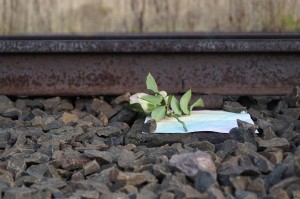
point(219, 64)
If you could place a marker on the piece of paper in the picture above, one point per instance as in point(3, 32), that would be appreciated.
point(204, 120)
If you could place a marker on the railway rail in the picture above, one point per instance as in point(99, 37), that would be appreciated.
point(209, 64)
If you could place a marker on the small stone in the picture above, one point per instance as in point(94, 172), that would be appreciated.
point(203, 146)
point(240, 182)
point(108, 131)
point(242, 134)
point(278, 126)
point(7, 179)
point(129, 189)
point(32, 131)
point(85, 194)
point(290, 135)
point(296, 194)
point(12, 113)
point(254, 113)
point(268, 133)
point(262, 163)
point(282, 143)
point(52, 172)
point(89, 185)
point(91, 167)
point(51, 123)
point(292, 113)
point(16, 164)
point(247, 126)
point(284, 184)
point(20, 104)
point(19, 193)
point(26, 180)
point(204, 180)
point(5, 104)
point(38, 112)
point(128, 147)
point(191, 193)
point(122, 98)
point(101, 156)
point(97, 146)
point(280, 194)
point(83, 104)
point(160, 171)
point(126, 160)
point(245, 148)
point(191, 163)
point(234, 107)
point(130, 178)
point(276, 157)
point(37, 121)
point(64, 105)
point(115, 141)
point(5, 134)
point(214, 192)
point(282, 104)
point(275, 176)
point(245, 195)
point(84, 125)
point(149, 126)
point(234, 166)
point(125, 116)
point(78, 176)
point(167, 195)
point(51, 103)
point(21, 140)
point(121, 125)
point(69, 118)
point(6, 122)
point(100, 106)
point(96, 122)
point(257, 186)
point(70, 159)
point(228, 146)
point(35, 103)
point(37, 170)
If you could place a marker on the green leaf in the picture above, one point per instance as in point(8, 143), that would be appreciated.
point(151, 107)
point(136, 107)
point(198, 103)
point(164, 94)
point(159, 113)
point(175, 105)
point(151, 84)
point(184, 102)
point(153, 99)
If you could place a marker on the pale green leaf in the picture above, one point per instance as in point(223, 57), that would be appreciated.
point(136, 107)
point(153, 99)
point(151, 84)
point(158, 113)
point(164, 94)
point(198, 103)
point(184, 102)
point(175, 105)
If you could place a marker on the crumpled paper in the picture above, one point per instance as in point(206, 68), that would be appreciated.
point(204, 120)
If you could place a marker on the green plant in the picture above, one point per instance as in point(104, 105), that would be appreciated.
point(160, 105)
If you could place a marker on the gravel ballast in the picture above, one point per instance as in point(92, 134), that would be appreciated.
point(94, 148)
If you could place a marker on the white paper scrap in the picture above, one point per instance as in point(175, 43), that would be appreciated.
point(204, 120)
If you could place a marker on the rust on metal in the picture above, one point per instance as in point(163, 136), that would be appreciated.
point(94, 66)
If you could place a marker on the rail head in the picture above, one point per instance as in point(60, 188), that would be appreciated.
point(152, 43)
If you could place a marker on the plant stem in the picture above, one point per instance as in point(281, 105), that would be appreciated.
point(181, 122)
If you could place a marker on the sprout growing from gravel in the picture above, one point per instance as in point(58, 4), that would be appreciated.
point(160, 105)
